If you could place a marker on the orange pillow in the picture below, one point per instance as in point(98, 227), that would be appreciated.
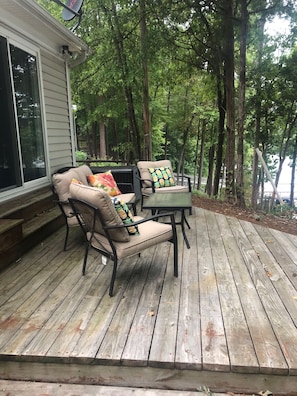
point(106, 182)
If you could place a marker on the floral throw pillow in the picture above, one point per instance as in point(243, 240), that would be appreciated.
point(162, 177)
point(126, 216)
point(75, 181)
point(106, 182)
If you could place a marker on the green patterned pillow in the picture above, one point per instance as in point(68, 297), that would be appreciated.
point(162, 177)
point(126, 215)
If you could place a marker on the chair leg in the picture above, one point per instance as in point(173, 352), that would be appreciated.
point(134, 209)
point(175, 258)
point(85, 259)
point(66, 237)
point(175, 248)
point(114, 272)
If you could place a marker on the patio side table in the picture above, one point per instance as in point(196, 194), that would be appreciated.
point(171, 202)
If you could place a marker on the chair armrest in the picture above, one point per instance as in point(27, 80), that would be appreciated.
point(188, 178)
point(147, 180)
point(143, 220)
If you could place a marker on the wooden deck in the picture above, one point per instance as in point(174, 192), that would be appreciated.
point(228, 323)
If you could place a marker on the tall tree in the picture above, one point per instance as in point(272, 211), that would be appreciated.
point(230, 104)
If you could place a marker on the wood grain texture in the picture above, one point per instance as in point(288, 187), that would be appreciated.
point(229, 321)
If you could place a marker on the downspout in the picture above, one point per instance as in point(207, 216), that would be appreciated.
point(71, 121)
point(68, 65)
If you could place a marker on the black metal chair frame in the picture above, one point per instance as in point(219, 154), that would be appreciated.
point(61, 205)
point(77, 206)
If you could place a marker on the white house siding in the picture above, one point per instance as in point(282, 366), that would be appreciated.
point(57, 121)
point(31, 26)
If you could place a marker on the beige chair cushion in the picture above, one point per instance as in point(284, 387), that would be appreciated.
point(100, 199)
point(61, 181)
point(127, 197)
point(145, 173)
point(150, 234)
point(148, 191)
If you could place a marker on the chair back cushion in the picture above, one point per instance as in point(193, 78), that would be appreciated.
point(101, 200)
point(143, 167)
point(62, 181)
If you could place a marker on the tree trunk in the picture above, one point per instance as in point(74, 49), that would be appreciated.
point(166, 126)
point(119, 44)
point(180, 168)
point(145, 86)
point(221, 94)
point(102, 140)
point(241, 105)
point(258, 110)
point(230, 106)
point(200, 172)
point(208, 187)
point(293, 173)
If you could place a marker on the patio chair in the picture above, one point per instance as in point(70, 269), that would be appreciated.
point(61, 181)
point(158, 177)
point(116, 236)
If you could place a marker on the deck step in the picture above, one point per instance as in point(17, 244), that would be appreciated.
point(24, 388)
point(11, 232)
point(25, 206)
point(25, 221)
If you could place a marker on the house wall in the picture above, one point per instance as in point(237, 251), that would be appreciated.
point(57, 118)
point(31, 26)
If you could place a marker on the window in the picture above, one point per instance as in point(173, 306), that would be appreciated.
point(22, 154)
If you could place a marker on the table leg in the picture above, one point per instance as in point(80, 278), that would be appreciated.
point(186, 221)
point(182, 223)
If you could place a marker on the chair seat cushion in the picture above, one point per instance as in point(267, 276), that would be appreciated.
point(72, 220)
point(176, 188)
point(127, 198)
point(150, 234)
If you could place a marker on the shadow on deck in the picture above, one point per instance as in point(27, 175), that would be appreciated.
point(228, 323)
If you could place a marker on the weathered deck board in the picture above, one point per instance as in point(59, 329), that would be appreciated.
point(229, 318)
point(137, 347)
point(16, 388)
point(213, 338)
point(114, 341)
point(266, 347)
point(188, 344)
point(162, 353)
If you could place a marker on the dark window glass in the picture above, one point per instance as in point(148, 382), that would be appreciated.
point(26, 89)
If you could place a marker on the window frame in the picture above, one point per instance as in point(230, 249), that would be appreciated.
point(26, 46)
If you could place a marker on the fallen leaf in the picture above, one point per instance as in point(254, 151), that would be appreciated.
point(275, 277)
point(151, 313)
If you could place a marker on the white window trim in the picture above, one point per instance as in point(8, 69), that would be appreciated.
point(29, 47)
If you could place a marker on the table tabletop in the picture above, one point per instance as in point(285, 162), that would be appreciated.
point(169, 200)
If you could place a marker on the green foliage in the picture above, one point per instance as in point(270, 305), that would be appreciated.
point(284, 210)
point(186, 57)
point(80, 156)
